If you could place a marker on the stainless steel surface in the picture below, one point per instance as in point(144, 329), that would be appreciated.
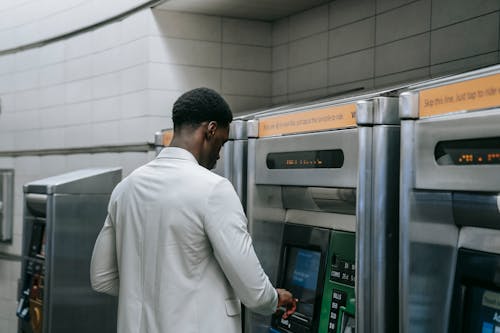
point(321, 219)
point(364, 112)
point(72, 209)
point(6, 204)
point(238, 130)
point(322, 199)
point(479, 239)
point(386, 111)
point(85, 181)
point(346, 140)
point(408, 105)
point(253, 128)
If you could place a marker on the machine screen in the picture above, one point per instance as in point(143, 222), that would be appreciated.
point(482, 310)
point(468, 152)
point(302, 268)
point(309, 159)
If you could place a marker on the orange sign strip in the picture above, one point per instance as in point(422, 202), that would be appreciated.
point(473, 94)
point(309, 121)
point(167, 137)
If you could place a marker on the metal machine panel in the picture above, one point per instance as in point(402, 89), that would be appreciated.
point(345, 140)
point(6, 204)
point(449, 189)
point(473, 125)
point(60, 229)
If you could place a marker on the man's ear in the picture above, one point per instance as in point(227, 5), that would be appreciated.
point(211, 128)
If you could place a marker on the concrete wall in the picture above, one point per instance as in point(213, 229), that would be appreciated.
point(366, 44)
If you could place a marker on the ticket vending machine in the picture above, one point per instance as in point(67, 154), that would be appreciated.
point(322, 206)
point(450, 204)
point(62, 218)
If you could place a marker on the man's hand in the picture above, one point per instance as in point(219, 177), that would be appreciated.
point(286, 302)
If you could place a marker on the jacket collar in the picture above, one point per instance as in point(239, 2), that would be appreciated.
point(177, 153)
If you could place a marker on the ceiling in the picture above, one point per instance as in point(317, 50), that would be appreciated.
point(265, 10)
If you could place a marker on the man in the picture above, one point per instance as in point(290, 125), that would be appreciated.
point(175, 246)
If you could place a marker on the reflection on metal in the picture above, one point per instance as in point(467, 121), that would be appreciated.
point(62, 218)
point(6, 204)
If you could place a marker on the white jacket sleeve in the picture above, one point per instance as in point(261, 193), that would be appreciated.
point(226, 227)
point(103, 266)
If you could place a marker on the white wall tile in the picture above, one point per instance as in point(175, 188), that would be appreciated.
point(52, 53)
point(78, 46)
point(384, 5)
point(28, 59)
point(308, 50)
point(105, 160)
point(134, 104)
point(7, 63)
point(106, 85)
point(106, 133)
point(107, 36)
point(461, 40)
point(78, 68)
point(352, 67)
point(53, 116)
point(277, 100)
point(308, 77)
point(79, 91)
point(51, 138)
point(353, 37)
point(308, 23)
point(27, 120)
point(346, 11)
point(27, 139)
point(77, 136)
point(162, 102)
point(26, 100)
point(51, 95)
point(184, 52)
point(78, 113)
point(352, 87)
point(107, 61)
point(131, 161)
point(257, 84)
point(405, 21)
point(403, 77)
point(133, 53)
point(280, 57)
point(138, 25)
point(26, 165)
point(188, 26)
point(403, 55)
point(445, 12)
point(6, 139)
point(244, 104)
point(134, 78)
point(7, 83)
point(79, 161)
point(246, 32)
point(106, 109)
point(51, 75)
point(280, 82)
point(246, 57)
point(26, 80)
point(177, 77)
point(308, 95)
point(462, 65)
point(137, 130)
point(53, 165)
point(280, 31)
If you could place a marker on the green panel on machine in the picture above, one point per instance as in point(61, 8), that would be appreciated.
point(338, 303)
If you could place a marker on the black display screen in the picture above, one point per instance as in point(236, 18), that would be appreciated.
point(301, 279)
point(308, 159)
point(468, 152)
point(481, 310)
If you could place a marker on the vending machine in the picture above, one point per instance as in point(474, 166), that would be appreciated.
point(62, 218)
point(322, 205)
point(450, 204)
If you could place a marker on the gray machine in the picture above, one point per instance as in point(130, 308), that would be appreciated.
point(450, 205)
point(62, 218)
point(6, 204)
point(323, 210)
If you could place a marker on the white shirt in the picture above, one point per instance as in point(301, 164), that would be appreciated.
point(176, 250)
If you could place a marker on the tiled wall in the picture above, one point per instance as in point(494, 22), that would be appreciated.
point(116, 85)
point(366, 44)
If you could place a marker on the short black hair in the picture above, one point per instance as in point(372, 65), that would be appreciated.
point(199, 105)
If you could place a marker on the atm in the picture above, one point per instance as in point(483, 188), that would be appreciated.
point(450, 204)
point(322, 205)
point(62, 218)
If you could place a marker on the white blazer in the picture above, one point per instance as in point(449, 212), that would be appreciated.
point(176, 250)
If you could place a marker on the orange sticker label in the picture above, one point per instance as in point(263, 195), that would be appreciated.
point(167, 137)
point(309, 121)
point(473, 94)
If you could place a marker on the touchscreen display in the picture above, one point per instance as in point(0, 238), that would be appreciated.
point(482, 310)
point(302, 269)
